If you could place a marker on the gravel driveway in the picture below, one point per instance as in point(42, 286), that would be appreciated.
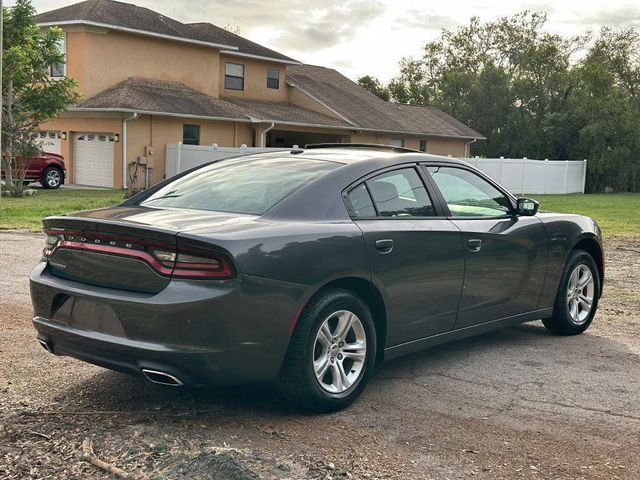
point(516, 403)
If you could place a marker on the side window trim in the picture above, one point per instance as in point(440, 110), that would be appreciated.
point(424, 168)
point(375, 207)
point(432, 193)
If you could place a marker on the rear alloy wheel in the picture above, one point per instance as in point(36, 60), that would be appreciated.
point(332, 353)
point(577, 298)
point(340, 351)
point(51, 178)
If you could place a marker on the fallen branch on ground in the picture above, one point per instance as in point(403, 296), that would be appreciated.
point(38, 434)
point(89, 456)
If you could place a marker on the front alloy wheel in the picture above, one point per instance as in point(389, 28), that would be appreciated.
point(577, 298)
point(331, 354)
point(580, 293)
point(52, 178)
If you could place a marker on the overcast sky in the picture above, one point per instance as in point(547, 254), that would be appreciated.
point(359, 37)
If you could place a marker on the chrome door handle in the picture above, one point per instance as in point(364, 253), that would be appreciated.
point(385, 245)
point(474, 244)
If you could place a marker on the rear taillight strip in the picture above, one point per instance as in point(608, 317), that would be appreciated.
point(194, 270)
point(119, 251)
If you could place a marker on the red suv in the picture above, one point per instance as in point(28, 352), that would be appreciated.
point(46, 168)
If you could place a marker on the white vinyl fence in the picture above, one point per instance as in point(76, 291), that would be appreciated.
point(523, 175)
point(183, 157)
point(518, 175)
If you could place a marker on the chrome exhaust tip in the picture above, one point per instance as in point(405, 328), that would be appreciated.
point(162, 378)
point(45, 345)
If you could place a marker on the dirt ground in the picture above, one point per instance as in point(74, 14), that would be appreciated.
point(516, 403)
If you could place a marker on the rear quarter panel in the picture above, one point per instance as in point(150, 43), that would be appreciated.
point(309, 254)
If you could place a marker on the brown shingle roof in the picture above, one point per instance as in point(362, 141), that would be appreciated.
point(364, 110)
point(284, 112)
point(129, 16)
point(155, 96)
point(144, 95)
point(220, 35)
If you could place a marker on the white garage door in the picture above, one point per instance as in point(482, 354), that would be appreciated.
point(93, 159)
point(50, 142)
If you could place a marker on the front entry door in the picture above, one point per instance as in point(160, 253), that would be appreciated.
point(505, 254)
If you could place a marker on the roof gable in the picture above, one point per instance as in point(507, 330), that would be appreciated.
point(129, 17)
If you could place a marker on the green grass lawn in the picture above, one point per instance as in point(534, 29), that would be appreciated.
point(28, 212)
point(617, 214)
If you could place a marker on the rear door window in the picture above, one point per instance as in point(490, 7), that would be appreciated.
point(400, 193)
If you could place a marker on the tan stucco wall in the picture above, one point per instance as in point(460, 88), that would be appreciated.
point(446, 146)
point(435, 145)
point(255, 79)
point(100, 59)
point(76, 64)
point(69, 125)
point(370, 137)
point(157, 131)
point(146, 131)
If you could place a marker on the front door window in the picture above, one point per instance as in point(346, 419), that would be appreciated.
point(468, 194)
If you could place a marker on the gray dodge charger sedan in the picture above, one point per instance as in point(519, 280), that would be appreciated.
point(307, 267)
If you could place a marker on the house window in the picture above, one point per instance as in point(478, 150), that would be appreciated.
point(397, 142)
point(191, 134)
point(234, 76)
point(423, 145)
point(273, 78)
point(58, 70)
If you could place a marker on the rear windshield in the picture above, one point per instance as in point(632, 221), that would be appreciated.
point(239, 186)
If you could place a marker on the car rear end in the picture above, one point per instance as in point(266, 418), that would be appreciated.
point(157, 289)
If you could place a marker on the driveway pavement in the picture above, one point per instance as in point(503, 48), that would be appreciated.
point(516, 403)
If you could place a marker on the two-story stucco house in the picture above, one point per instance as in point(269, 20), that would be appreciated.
point(147, 81)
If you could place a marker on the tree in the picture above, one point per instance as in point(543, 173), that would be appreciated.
point(374, 86)
point(606, 103)
point(30, 96)
point(502, 78)
point(523, 88)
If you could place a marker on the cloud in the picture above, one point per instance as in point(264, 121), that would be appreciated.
point(329, 26)
point(297, 25)
point(424, 20)
point(627, 16)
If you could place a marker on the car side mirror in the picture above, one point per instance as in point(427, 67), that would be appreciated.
point(527, 207)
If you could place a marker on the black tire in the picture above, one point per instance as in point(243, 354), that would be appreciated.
point(52, 178)
point(297, 379)
point(561, 321)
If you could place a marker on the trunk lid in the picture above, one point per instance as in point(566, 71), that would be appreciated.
point(117, 247)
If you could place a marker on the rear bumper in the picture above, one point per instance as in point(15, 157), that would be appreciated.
point(190, 366)
point(201, 332)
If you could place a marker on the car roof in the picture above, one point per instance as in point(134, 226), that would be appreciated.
point(351, 155)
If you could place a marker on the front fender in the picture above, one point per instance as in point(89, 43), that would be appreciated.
point(566, 232)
